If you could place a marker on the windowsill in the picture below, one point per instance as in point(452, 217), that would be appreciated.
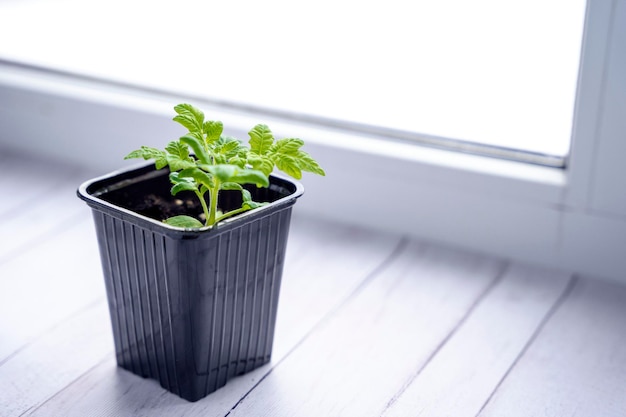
point(477, 172)
point(504, 208)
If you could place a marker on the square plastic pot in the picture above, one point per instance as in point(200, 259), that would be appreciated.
point(189, 308)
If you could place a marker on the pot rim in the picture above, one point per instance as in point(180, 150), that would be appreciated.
point(96, 203)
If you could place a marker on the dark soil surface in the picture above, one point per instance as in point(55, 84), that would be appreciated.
point(151, 197)
point(161, 208)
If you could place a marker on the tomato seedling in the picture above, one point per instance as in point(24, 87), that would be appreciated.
point(206, 162)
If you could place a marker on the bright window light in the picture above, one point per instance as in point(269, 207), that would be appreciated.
point(494, 72)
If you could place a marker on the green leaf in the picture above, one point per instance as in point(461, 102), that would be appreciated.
point(147, 153)
point(246, 196)
point(223, 172)
point(289, 146)
point(177, 164)
point(289, 165)
point(226, 148)
point(289, 158)
point(249, 205)
point(307, 163)
point(261, 139)
point(196, 142)
point(232, 173)
point(250, 176)
point(182, 184)
point(261, 163)
point(186, 222)
point(138, 153)
point(237, 160)
point(197, 175)
point(178, 149)
point(190, 117)
point(231, 186)
point(160, 163)
point(213, 131)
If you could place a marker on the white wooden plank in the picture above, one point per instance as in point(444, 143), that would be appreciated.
point(464, 373)
point(39, 221)
point(125, 395)
point(325, 264)
point(43, 285)
point(55, 359)
point(27, 182)
point(356, 362)
point(577, 364)
point(39, 200)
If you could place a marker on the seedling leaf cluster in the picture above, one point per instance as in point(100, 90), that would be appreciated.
point(205, 162)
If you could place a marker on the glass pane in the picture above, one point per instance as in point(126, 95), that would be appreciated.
point(495, 72)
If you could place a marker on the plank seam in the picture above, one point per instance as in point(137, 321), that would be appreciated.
point(36, 407)
point(400, 247)
point(494, 282)
point(58, 183)
point(546, 318)
point(40, 239)
point(52, 328)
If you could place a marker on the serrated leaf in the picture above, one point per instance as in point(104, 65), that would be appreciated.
point(261, 139)
point(186, 222)
point(261, 163)
point(190, 117)
point(288, 146)
point(289, 165)
point(237, 160)
point(213, 131)
point(196, 142)
point(290, 159)
point(226, 148)
point(147, 153)
point(138, 153)
point(160, 162)
point(177, 164)
point(307, 163)
point(197, 175)
point(178, 148)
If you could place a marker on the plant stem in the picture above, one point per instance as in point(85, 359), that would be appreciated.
point(213, 192)
point(231, 213)
point(205, 209)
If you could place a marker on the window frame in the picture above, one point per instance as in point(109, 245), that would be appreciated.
point(549, 216)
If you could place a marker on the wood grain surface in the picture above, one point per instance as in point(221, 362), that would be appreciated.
point(369, 324)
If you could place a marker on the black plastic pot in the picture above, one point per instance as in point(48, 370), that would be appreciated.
point(189, 308)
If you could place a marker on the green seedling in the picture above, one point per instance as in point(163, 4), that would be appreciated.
point(206, 162)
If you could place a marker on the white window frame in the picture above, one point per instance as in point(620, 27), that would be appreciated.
point(572, 219)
